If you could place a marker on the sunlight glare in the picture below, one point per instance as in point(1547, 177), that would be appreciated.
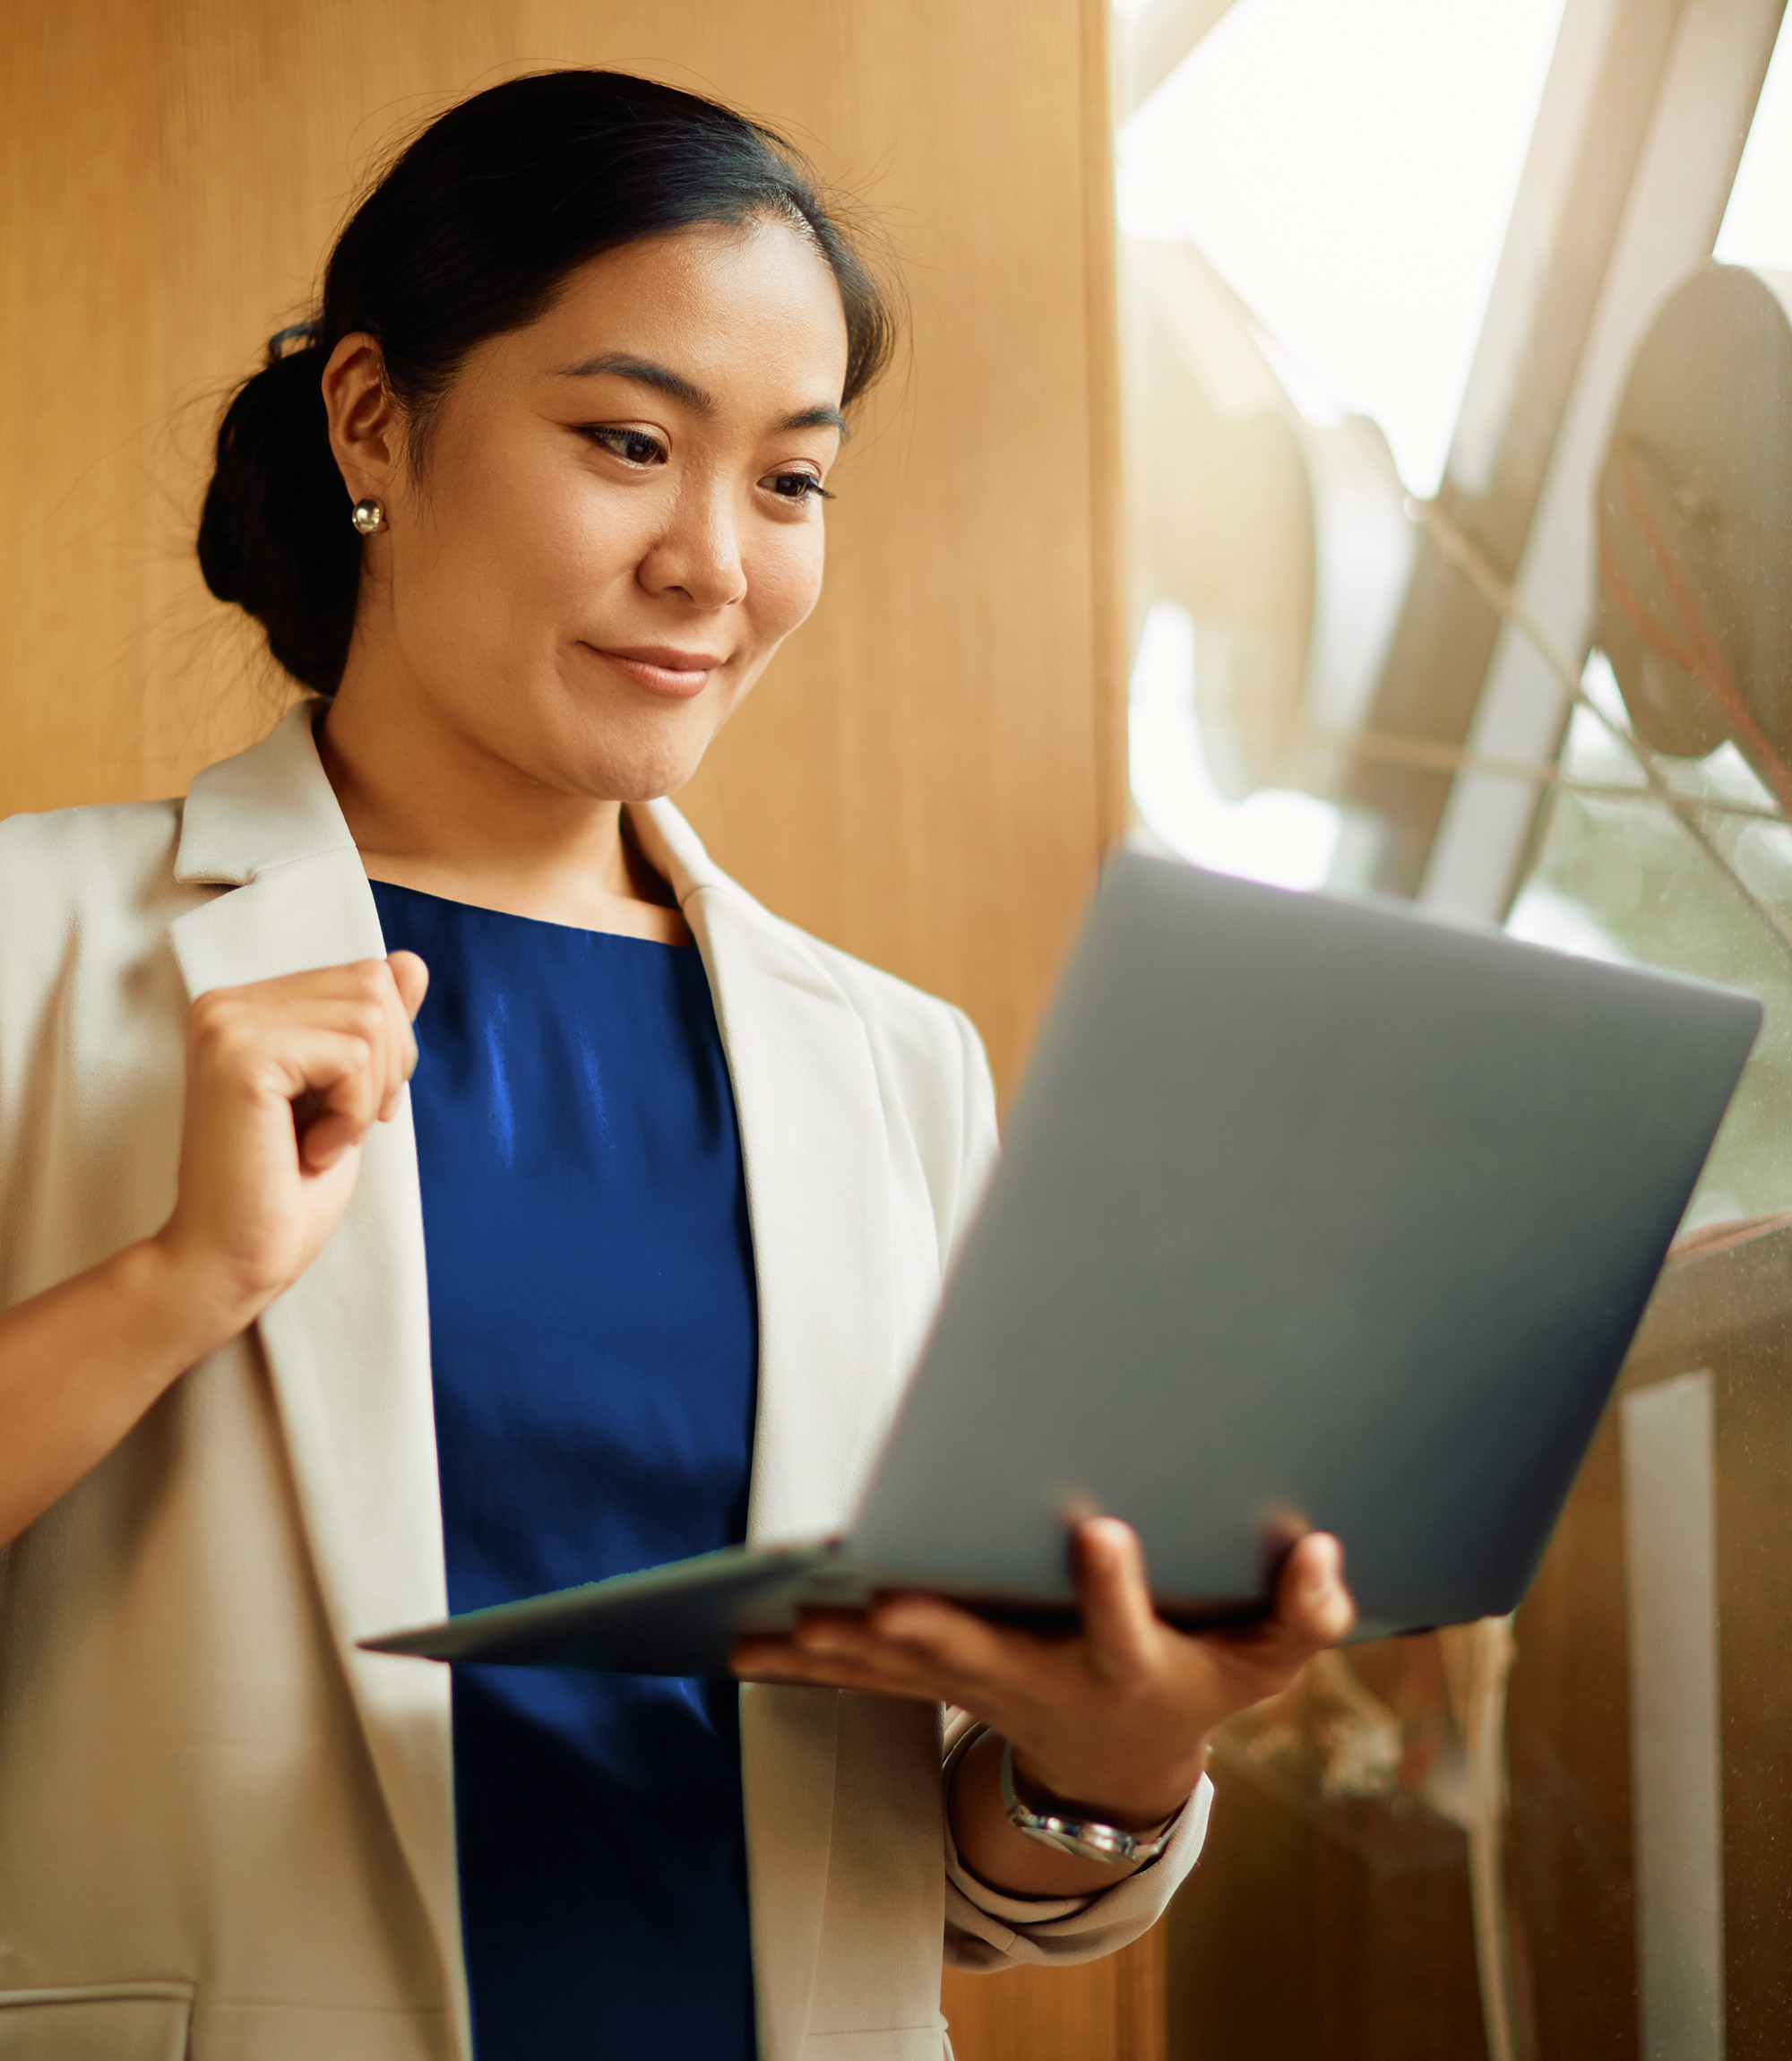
point(1757, 228)
point(1275, 835)
point(1349, 166)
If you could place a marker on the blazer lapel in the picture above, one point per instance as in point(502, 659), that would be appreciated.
point(348, 1345)
point(817, 1158)
point(816, 1149)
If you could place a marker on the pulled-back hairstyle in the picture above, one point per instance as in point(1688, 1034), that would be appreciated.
point(471, 232)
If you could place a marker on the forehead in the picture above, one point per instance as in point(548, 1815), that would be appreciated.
point(729, 308)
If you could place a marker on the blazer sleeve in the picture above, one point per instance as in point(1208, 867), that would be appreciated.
point(987, 1930)
point(979, 1145)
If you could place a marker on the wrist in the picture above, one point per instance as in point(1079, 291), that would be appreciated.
point(189, 1304)
point(1132, 1805)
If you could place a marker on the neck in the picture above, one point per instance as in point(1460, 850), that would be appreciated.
point(431, 808)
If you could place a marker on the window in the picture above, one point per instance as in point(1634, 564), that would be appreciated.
point(1392, 271)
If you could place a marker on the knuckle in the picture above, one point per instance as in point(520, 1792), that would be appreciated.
point(208, 1011)
point(217, 1024)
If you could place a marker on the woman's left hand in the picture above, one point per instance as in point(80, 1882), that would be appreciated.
point(1115, 1717)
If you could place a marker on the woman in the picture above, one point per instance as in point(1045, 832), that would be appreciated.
point(294, 1356)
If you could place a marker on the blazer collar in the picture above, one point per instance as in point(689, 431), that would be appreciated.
point(267, 805)
point(348, 1345)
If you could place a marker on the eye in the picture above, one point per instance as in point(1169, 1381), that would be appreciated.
point(633, 446)
point(797, 486)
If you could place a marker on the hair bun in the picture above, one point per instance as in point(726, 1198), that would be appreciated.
point(274, 535)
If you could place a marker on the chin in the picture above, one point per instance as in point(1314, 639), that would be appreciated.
point(638, 768)
point(603, 752)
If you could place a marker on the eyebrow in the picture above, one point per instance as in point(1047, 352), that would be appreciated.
point(643, 372)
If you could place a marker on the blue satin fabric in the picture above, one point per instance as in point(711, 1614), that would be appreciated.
point(593, 1331)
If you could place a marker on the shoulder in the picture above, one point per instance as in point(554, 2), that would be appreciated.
point(924, 1044)
point(81, 874)
point(923, 1040)
point(89, 844)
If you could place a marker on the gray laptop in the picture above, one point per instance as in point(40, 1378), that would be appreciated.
point(1312, 1212)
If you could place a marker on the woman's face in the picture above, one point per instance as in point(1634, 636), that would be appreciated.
point(615, 517)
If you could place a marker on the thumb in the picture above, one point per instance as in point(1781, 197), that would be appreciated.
point(410, 976)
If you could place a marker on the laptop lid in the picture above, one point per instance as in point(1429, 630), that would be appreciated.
point(1312, 1212)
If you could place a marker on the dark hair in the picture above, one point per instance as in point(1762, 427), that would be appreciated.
point(471, 232)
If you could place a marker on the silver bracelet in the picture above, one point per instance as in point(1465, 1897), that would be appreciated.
point(1087, 1838)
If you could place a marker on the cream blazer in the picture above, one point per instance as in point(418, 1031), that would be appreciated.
point(227, 1833)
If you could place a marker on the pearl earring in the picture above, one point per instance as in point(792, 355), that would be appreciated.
point(369, 517)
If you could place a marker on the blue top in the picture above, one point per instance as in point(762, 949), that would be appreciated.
point(593, 1334)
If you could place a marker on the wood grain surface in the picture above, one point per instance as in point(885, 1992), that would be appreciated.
point(1109, 2010)
point(930, 770)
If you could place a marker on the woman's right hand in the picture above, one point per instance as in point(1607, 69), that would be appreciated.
point(284, 1078)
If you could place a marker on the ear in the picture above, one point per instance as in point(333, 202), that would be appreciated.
point(363, 421)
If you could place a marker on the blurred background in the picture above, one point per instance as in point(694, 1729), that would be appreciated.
point(1456, 366)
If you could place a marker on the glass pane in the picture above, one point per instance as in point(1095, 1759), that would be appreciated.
point(1621, 877)
point(1564, 1834)
point(1348, 167)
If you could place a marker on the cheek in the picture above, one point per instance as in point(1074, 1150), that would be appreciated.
point(520, 547)
point(565, 540)
point(784, 579)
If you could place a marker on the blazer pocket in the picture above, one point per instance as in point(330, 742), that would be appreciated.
point(97, 2021)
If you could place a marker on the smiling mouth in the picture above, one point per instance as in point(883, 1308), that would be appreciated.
point(675, 675)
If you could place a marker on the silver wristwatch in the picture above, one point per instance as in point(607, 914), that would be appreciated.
point(1087, 1838)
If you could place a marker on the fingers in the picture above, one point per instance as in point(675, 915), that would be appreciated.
point(411, 978)
point(785, 1661)
point(406, 983)
point(1126, 1669)
point(410, 983)
point(337, 1043)
point(1119, 1621)
point(920, 1644)
point(367, 1001)
point(332, 1072)
point(969, 1661)
point(1311, 1601)
point(1313, 1610)
point(357, 1081)
point(906, 1646)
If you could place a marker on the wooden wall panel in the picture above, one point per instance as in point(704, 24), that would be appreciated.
point(1108, 2009)
point(929, 771)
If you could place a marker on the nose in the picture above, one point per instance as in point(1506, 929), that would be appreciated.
point(698, 553)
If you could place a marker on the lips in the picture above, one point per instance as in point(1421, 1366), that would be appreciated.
point(661, 668)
